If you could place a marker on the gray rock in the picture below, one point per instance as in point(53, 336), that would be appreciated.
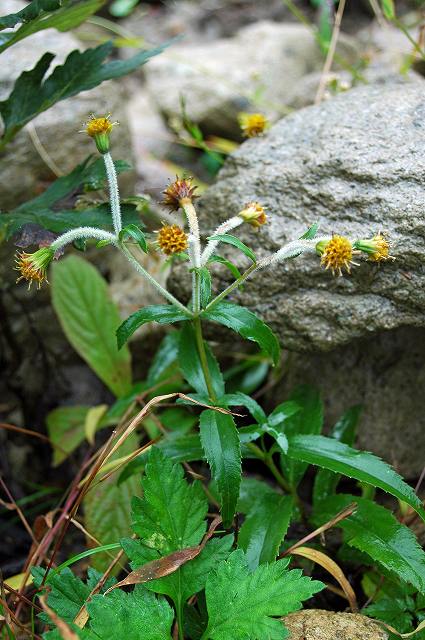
point(255, 70)
point(24, 171)
point(356, 164)
point(315, 624)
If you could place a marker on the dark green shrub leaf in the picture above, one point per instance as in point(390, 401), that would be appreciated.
point(205, 286)
point(227, 263)
point(161, 313)
point(247, 325)
point(326, 482)
point(374, 530)
point(308, 420)
point(190, 364)
point(361, 465)
point(265, 526)
point(234, 241)
point(220, 441)
point(165, 356)
point(244, 604)
point(89, 319)
point(241, 399)
point(81, 71)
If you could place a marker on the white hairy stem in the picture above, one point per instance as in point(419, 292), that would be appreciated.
point(225, 227)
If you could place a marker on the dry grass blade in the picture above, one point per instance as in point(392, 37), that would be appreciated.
point(335, 570)
point(420, 627)
point(168, 564)
point(64, 629)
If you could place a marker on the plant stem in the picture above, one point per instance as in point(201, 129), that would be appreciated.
point(203, 358)
point(114, 195)
point(166, 294)
point(232, 286)
point(179, 614)
point(82, 232)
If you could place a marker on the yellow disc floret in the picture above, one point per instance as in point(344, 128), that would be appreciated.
point(336, 254)
point(177, 192)
point(172, 239)
point(253, 214)
point(33, 266)
point(253, 124)
point(377, 248)
point(99, 129)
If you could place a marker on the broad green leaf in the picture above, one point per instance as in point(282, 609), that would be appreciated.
point(246, 324)
point(171, 514)
point(205, 286)
point(133, 231)
point(265, 526)
point(93, 421)
point(361, 465)
point(47, 14)
point(138, 615)
point(107, 506)
point(81, 71)
point(326, 482)
point(220, 441)
point(161, 313)
point(166, 355)
point(241, 399)
point(189, 578)
point(243, 604)
point(234, 241)
point(89, 319)
point(388, 9)
point(393, 611)
point(374, 530)
point(227, 263)
point(308, 420)
point(190, 364)
point(65, 427)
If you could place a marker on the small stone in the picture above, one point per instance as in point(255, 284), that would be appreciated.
point(315, 624)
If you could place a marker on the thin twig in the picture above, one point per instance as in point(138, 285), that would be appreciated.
point(331, 53)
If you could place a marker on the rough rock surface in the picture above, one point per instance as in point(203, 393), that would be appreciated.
point(356, 164)
point(314, 624)
point(23, 169)
point(222, 78)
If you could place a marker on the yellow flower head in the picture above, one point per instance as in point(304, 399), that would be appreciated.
point(336, 254)
point(253, 124)
point(172, 239)
point(253, 214)
point(99, 129)
point(177, 192)
point(33, 266)
point(377, 248)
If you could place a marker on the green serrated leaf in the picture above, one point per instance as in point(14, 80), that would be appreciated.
point(107, 506)
point(326, 482)
point(234, 241)
point(89, 319)
point(241, 399)
point(275, 424)
point(308, 420)
point(170, 516)
point(161, 313)
point(374, 530)
point(220, 441)
point(361, 465)
point(133, 231)
point(81, 71)
point(265, 527)
point(247, 325)
point(46, 14)
point(243, 604)
point(190, 364)
point(138, 615)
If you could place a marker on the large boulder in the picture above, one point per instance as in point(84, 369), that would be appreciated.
point(356, 164)
point(315, 624)
point(255, 70)
point(53, 135)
